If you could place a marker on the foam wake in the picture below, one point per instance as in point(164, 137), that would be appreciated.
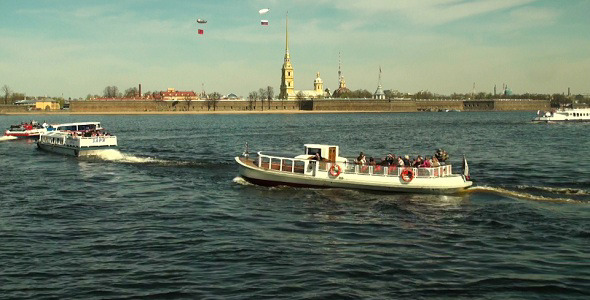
point(241, 181)
point(556, 190)
point(519, 195)
point(117, 156)
point(7, 138)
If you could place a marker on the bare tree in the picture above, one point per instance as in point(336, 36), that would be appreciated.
point(252, 99)
point(188, 100)
point(212, 100)
point(131, 92)
point(270, 93)
point(262, 94)
point(111, 92)
point(6, 90)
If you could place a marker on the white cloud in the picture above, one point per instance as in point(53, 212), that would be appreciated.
point(428, 12)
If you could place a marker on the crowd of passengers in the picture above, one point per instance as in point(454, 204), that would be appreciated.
point(90, 133)
point(438, 159)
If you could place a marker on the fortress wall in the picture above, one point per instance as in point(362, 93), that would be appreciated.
point(517, 104)
point(160, 106)
point(14, 108)
point(435, 105)
point(364, 105)
point(478, 105)
point(316, 105)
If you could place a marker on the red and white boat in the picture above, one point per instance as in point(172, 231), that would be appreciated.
point(26, 130)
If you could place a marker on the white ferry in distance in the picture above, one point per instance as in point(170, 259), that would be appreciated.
point(563, 115)
point(337, 172)
point(77, 139)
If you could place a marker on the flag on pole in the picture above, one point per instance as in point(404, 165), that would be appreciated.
point(264, 22)
point(466, 169)
point(200, 31)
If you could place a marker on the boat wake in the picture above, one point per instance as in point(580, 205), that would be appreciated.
point(117, 156)
point(524, 195)
point(241, 181)
point(7, 138)
point(555, 190)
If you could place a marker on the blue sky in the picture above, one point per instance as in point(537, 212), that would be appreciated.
point(72, 48)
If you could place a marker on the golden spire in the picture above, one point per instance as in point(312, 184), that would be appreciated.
point(287, 35)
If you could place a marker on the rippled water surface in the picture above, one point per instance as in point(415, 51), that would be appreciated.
point(166, 216)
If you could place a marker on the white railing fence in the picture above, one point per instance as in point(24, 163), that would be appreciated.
point(304, 166)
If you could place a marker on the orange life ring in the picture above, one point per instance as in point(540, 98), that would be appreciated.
point(407, 175)
point(335, 170)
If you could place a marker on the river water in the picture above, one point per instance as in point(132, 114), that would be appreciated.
point(166, 215)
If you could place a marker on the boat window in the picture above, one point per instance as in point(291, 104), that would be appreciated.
point(71, 127)
point(313, 151)
point(86, 127)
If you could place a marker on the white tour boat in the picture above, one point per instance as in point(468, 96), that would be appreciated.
point(77, 139)
point(338, 172)
point(563, 115)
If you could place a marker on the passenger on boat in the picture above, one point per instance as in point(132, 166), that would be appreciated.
point(317, 157)
point(389, 159)
point(427, 163)
point(441, 155)
point(362, 159)
point(400, 162)
point(406, 160)
point(435, 162)
point(419, 160)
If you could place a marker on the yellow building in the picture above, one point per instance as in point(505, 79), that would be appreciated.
point(47, 105)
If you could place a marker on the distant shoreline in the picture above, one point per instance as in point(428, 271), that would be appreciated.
point(257, 112)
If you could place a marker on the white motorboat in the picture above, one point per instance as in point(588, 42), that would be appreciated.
point(563, 115)
point(339, 172)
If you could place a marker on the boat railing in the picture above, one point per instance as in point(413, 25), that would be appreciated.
point(283, 164)
point(307, 166)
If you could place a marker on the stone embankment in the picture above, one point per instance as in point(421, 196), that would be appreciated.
point(332, 105)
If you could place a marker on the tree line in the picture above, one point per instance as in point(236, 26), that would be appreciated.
point(267, 95)
point(261, 95)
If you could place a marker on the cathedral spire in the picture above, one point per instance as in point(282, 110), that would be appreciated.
point(287, 72)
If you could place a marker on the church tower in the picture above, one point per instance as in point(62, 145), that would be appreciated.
point(287, 81)
point(318, 85)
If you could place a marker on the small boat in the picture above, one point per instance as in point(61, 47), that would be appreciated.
point(339, 172)
point(26, 130)
point(563, 115)
point(77, 139)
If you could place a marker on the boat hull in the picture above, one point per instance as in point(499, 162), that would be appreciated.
point(25, 134)
point(72, 151)
point(265, 177)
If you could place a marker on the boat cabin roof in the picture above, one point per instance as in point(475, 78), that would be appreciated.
point(77, 124)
